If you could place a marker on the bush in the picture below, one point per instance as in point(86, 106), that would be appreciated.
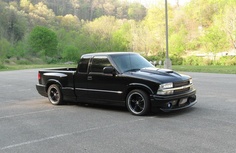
point(176, 60)
point(197, 61)
point(71, 53)
point(160, 56)
point(50, 60)
point(21, 49)
point(191, 60)
point(5, 48)
point(43, 40)
point(2, 66)
point(226, 61)
point(23, 62)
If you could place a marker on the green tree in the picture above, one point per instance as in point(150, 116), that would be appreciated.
point(43, 41)
point(40, 14)
point(178, 42)
point(100, 32)
point(13, 23)
point(109, 8)
point(121, 38)
point(71, 44)
point(69, 22)
point(152, 29)
point(2, 18)
point(229, 23)
point(204, 11)
point(214, 40)
point(5, 48)
point(25, 5)
point(136, 11)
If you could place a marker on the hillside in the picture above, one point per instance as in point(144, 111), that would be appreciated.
point(58, 30)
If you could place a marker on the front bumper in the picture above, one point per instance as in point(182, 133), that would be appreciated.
point(41, 90)
point(174, 102)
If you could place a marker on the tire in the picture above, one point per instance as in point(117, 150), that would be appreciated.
point(55, 95)
point(138, 103)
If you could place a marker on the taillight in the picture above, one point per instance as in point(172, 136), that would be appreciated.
point(39, 76)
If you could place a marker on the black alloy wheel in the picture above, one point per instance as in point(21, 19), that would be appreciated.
point(54, 95)
point(138, 102)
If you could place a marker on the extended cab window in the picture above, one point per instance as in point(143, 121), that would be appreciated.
point(99, 63)
point(83, 65)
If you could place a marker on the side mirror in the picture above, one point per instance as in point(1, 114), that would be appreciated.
point(109, 70)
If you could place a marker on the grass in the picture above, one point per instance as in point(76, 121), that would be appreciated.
point(205, 69)
point(182, 68)
point(38, 66)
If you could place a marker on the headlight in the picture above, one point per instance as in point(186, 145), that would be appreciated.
point(166, 85)
point(165, 89)
point(190, 81)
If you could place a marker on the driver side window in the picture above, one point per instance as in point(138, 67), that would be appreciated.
point(99, 63)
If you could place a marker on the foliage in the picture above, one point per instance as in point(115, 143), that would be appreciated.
point(13, 24)
point(214, 40)
point(70, 53)
point(69, 22)
point(2, 66)
point(43, 41)
point(160, 56)
point(226, 61)
point(121, 38)
point(5, 48)
point(176, 59)
point(178, 41)
point(196, 61)
point(229, 23)
point(200, 61)
point(62, 30)
point(136, 11)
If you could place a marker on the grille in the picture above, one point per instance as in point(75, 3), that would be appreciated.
point(181, 90)
point(180, 84)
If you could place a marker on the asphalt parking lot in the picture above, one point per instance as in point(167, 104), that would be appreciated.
point(29, 123)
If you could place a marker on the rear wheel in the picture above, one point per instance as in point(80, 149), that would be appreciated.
point(137, 102)
point(54, 95)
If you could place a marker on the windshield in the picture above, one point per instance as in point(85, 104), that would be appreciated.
point(130, 62)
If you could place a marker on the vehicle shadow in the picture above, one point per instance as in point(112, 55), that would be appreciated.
point(122, 109)
point(100, 107)
point(161, 114)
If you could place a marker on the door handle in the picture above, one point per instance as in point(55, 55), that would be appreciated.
point(90, 78)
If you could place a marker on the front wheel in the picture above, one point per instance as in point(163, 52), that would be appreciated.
point(54, 95)
point(137, 102)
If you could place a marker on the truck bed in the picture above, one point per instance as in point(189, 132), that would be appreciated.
point(59, 69)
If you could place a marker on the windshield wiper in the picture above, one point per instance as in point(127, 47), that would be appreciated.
point(130, 70)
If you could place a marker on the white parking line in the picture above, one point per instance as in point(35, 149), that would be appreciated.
point(67, 134)
point(24, 114)
point(7, 85)
point(22, 90)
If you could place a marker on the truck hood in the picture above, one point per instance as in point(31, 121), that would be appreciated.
point(159, 75)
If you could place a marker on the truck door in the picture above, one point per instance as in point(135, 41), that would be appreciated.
point(103, 87)
point(80, 79)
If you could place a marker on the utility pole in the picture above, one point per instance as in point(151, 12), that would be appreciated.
point(167, 62)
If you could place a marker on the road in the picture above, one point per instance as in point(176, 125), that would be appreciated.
point(29, 123)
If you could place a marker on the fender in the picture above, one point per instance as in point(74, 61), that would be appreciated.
point(142, 86)
point(53, 81)
point(54, 75)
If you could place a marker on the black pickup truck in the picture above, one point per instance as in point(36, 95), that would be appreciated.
point(123, 78)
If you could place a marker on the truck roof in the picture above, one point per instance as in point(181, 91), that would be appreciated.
point(105, 54)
